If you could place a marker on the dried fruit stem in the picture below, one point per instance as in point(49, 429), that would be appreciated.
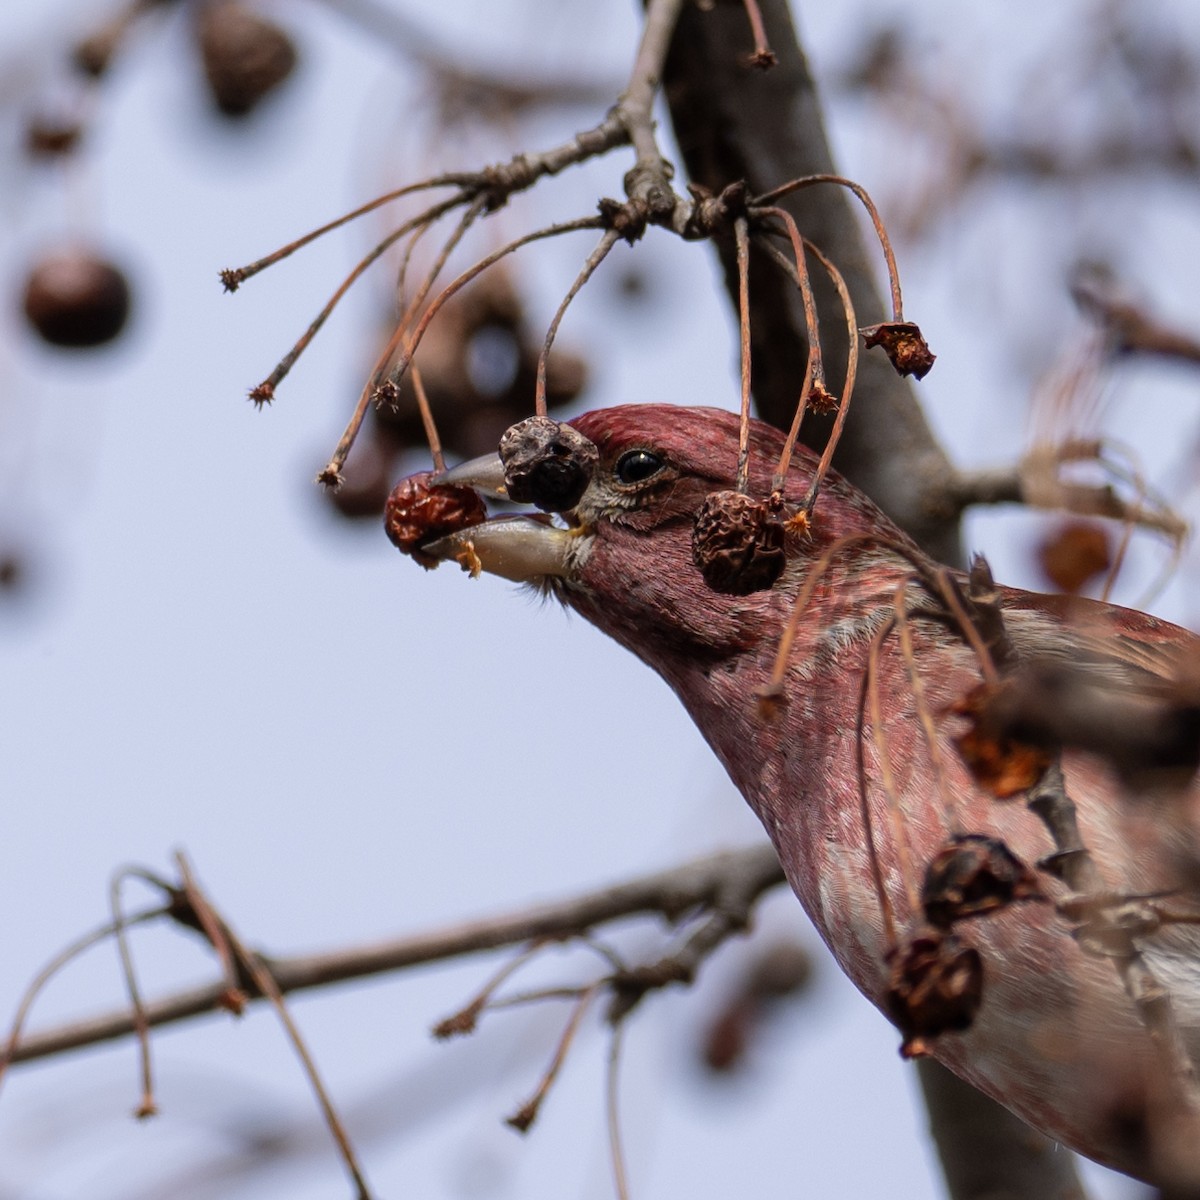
point(883, 753)
point(876, 220)
point(763, 55)
point(525, 1116)
point(258, 970)
point(464, 1020)
point(847, 387)
point(431, 433)
point(742, 239)
point(238, 275)
point(936, 759)
point(597, 256)
point(141, 1029)
point(613, 1112)
point(56, 964)
point(419, 223)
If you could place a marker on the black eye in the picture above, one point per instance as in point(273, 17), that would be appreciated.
point(635, 465)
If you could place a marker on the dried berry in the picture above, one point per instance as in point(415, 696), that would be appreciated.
point(546, 464)
point(1074, 555)
point(418, 512)
point(245, 56)
point(935, 987)
point(51, 136)
point(998, 762)
point(904, 344)
point(75, 298)
point(972, 875)
point(737, 544)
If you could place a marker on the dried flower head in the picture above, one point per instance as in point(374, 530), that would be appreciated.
point(418, 512)
point(935, 987)
point(821, 399)
point(738, 544)
point(904, 344)
point(546, 464)
point(972, 875)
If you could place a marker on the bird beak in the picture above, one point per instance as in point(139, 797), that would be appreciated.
point(485, 474)
point(523, 549)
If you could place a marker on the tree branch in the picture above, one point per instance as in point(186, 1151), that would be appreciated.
point(707, 883)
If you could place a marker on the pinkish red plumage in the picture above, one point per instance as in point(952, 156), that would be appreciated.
point(1056, 1039)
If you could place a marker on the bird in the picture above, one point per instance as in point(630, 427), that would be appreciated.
point(1050, 955)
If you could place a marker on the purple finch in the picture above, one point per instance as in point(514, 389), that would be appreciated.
point(1059, 975)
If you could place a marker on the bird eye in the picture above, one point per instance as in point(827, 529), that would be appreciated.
point(636, 465)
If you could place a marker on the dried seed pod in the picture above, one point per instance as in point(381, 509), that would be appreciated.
point(935, 987)
point(245, 56)
point(971, 875)
point(77, 299)
point(904, 344)
point(1074, 554)
point(546, 463)
point(418, 512)
point(998, 762)
point(737, 544)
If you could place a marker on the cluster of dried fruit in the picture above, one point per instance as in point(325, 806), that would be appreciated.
point(936, 981)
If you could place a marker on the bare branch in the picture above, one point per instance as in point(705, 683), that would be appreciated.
point(671, 894)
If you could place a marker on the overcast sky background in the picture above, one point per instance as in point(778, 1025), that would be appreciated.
point(349, 748)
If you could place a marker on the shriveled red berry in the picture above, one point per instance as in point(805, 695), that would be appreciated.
point(972, 875)
point(935, 987)
point(737, 544)
point(1074, 555)
point(245, 56)
point(904, 344)
point(547, 464)
point(419, 512)
point(76, 298)
point(999, 762)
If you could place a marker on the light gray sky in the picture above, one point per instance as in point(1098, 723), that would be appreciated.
point(350, 748)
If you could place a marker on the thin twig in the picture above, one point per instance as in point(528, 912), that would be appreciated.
point(62, 959)
point(741, 233)
point(835, 434)
point(671, 893)
point(427, 421)
point(525, 1116)
point(233, 277)
point(146, 1106)
point(876, 220)
point(597, 256)
point(613, 1111)
point(263, 979)
point(265, 391)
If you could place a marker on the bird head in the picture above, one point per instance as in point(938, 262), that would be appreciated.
point(623, 557)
